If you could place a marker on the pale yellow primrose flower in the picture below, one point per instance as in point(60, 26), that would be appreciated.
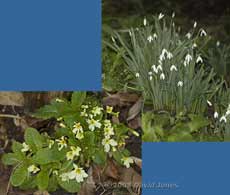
point(109, 109)
point(74, 152)
point(107, 123)
point(93, 124)
point(77, 127)
point(64, 176)
point(108, 131)
point(51, 143)
point(78, 173)
point(33, 169)
point(107, 143)
point(61, 143)
point(25, 147)
point(97, 110)
point(127, 161)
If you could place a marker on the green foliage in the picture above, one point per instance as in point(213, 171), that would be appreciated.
point(84, 136)
point(181, 128)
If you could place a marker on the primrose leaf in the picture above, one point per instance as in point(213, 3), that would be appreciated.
point(19, 175)
point(47, 155)
point(77, 99)
point(43, 179)
point(33, 138)
point(17, 147)
point(53, 184)
point(11, 159)
point(99, 157)
point(71, 186)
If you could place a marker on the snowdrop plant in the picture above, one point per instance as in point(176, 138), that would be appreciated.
point(85, 135)
point(167, 67)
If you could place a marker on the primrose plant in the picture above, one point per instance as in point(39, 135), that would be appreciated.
point(167, 67)
point(85, 135)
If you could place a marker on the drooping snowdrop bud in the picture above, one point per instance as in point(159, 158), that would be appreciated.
point(137, 75)
point(180, 84)
point(113, 39)
point(130, 33)
point(209, 103)
point(188, 35)
point(199, 59)
point(195, 24)
point(203, 33)
point(194, 45)
point(162, 76)
point(218, 43)
point(160, 16)
point(150, 73)
point(173, 67)
point(216, 115)
point(150, 78)
point(145, 22)
point(173, 15)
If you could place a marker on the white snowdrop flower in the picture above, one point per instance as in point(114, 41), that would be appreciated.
point(188, 35)
point(154, 68)
point(203, 33)
point(127, 161)
point(169, 55)
point(159, 67)
point(150, 38)
point(188, 59)
point(173, 67)
point(173, 15)
point(155, 36)
point(137, 75)
point(223, 118)
point(180, 84)
point(209, 103)
point(145, 22)
point(195, 24)
point(218, 43)
point(162, 76)
point(194, 45)
point(199, 59)
point(216, 115)
point(160, 16)
point(113, 39)
point(150, 78)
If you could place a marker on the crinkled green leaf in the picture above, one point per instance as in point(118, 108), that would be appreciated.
point(70, 186)
point(11, 158)
point(19, 175)
point(33, 138)
point(77, 99)
point(43, 179)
